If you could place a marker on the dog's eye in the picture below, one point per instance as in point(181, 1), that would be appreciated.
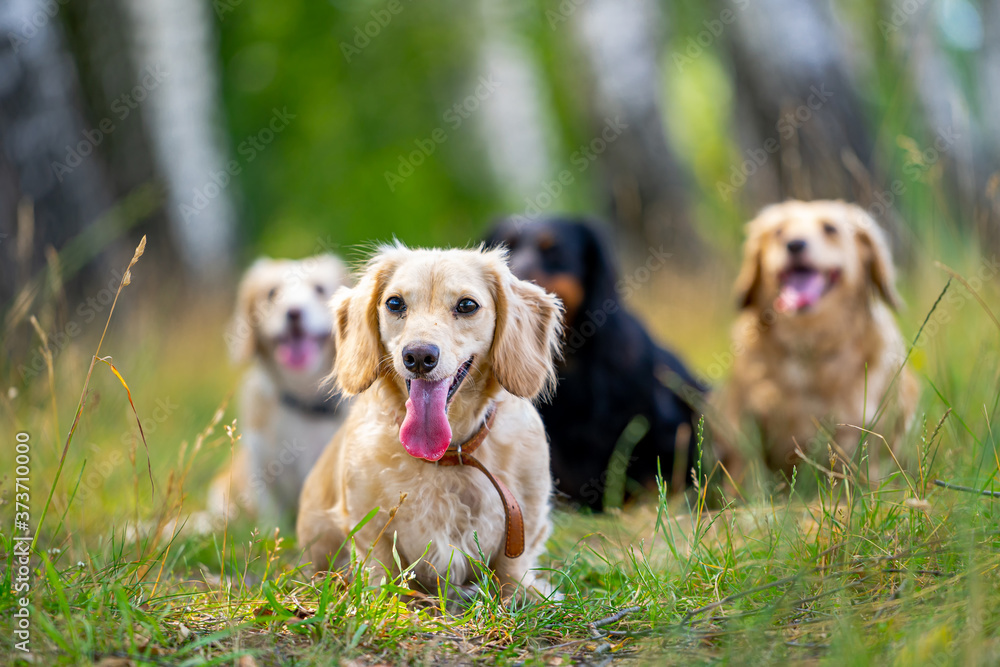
point(320, 290)
point(467, 306)
point(829, 229)
point(395, 304)
point(273, 293)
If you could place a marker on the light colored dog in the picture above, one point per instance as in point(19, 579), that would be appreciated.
point(286, 414)
point(446, 348)
point(817, 351)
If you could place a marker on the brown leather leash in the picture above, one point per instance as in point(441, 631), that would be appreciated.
point(513, 518)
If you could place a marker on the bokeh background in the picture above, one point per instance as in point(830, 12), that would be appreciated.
point(227, 129)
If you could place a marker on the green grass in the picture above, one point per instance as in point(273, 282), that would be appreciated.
point(900, 573)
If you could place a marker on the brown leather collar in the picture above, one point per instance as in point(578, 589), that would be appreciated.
point(513, 518)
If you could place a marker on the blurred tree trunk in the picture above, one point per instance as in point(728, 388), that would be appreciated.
point(957, 91)
point(645, 186)
point(98, 31)
point(174, 51)
point(988, 216)
point(514, 117)
point(804, 132)
point(945, 114)
point(46, 165)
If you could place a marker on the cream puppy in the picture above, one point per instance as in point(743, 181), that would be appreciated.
point(286, 414)
point(443, 348)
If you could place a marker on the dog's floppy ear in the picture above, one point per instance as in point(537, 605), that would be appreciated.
point(241, 332)
point(355, 317)
point(602, 272)
point(528, 333)
point(877, 258)
point(748, 279)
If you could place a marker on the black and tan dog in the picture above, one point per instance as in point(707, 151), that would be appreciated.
point(612, 372)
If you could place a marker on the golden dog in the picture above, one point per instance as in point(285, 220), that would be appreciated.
point(445, 348)
point(287, 416)
point(817, 351)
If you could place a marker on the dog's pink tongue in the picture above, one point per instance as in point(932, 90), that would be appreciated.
point(800, 290)
point(426, 432)
point(297, 353)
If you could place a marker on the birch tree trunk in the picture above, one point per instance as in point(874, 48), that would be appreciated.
point(803, 125)
point(175, 41)
point(47, 166)
point(644, 185)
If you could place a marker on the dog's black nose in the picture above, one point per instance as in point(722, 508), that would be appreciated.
point(796, 246)
point(421, 358)
point(294, 315)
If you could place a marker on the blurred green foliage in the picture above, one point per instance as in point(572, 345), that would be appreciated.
point(356, 113)
point(367, 80)
point(364, 90)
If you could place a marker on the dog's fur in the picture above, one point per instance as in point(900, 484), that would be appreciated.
point(829, 363)
point(286, 415)
point(612, 370)
point(513, 339)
